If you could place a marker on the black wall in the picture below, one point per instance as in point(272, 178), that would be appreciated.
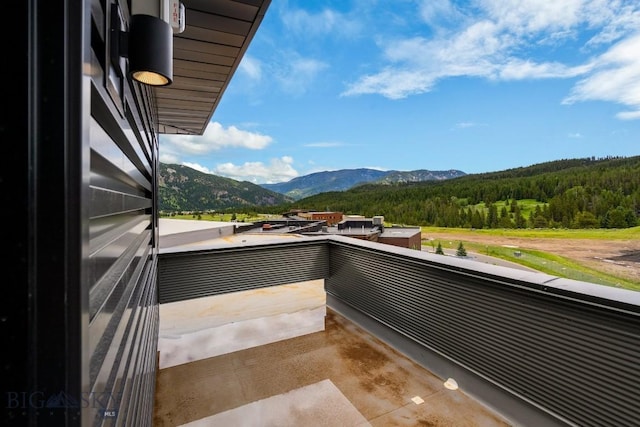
point(80, 150)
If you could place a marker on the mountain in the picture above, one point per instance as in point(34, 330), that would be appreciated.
point(420, 175)
point(344, 179)
point(184, 188)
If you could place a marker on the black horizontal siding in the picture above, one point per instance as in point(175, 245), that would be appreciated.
point(122, 261)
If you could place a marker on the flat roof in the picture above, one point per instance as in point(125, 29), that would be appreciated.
point(339, 376)
point(400, 232)
point(168, 226)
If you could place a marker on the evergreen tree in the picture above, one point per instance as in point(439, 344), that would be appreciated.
point(461, 250)
point(492, 216)
point(439, 250)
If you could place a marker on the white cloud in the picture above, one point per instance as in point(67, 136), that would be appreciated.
point(198, 167)
point(629, 115)
point(522, 17)
point(215, 137)
point(251, 67)
point(466, 125)
point(616, 78)
point(393, 84)
point(169, 158)
point(325, 22)
point(277, 170)
point(575, 135)
point(437, 12)
point(517, 69)
point(492, 39)
point(324, 144)
point(296, 76)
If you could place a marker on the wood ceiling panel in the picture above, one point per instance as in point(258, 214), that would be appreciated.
point(192, 95)
point(229, 8)
point(193, 121)
point(191, 81)
point(167, 129)
point(205, 90)
point(205, 75)
point(176, 117)
point(189, 55)
point(212, 36)
point(206, 55)
point(200, 66)
point(226, 61)
point(220, 23)
point(188, 72)
point(212, 49)
point(189, 105)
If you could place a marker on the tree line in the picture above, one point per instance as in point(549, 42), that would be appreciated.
point(574, 193)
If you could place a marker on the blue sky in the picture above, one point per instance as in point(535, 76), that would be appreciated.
point(475, 85)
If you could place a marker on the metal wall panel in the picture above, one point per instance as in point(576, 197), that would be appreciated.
point(122, 265)
point(576, 358)
point(187, 275)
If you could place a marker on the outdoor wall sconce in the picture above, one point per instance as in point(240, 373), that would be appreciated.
point(149, 42)
point(150, 50)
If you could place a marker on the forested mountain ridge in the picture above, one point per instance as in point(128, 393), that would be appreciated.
point(401, 177)
point(344, 179)
point(185, 189)
point(572, 193)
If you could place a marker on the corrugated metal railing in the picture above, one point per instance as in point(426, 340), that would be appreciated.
point(568, 349)
point(194, 274)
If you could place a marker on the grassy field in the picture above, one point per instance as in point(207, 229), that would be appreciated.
point(526, 206)
point(546, 262)
point(595, 233)
point(553, 264)
point(223, 217)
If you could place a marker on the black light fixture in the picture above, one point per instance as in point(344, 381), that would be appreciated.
point(149, 42)
point(150, 50)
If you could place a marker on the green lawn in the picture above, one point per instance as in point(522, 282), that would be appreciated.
point(224, 217)
point(543, 261)
point(552, 264)
point(595, 233)
point(526, 206)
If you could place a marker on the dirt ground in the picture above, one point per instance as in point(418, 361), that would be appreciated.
point(617, 257)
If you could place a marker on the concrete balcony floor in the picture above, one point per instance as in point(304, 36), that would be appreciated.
point(342, 376)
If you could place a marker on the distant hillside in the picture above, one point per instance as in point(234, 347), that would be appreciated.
point(186, 189)
point(572, 193)
point(344, 179)
point(401, 177)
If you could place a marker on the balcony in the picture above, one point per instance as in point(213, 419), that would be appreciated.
point(369, 333)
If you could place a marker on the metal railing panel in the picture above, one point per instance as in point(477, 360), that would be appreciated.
point(573, 356)
point(195, 274)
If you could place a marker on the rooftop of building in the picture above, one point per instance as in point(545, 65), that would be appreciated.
point(400, 232)
point(324, 371)
point(296, 332)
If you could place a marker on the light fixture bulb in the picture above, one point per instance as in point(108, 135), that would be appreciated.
point(150, 78)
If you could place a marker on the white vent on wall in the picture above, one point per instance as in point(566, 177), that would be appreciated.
point(170, 11)
point(173, 12)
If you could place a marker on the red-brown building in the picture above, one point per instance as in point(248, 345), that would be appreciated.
point(332, 218)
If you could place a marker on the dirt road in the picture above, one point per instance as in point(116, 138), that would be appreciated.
point(617, 257)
